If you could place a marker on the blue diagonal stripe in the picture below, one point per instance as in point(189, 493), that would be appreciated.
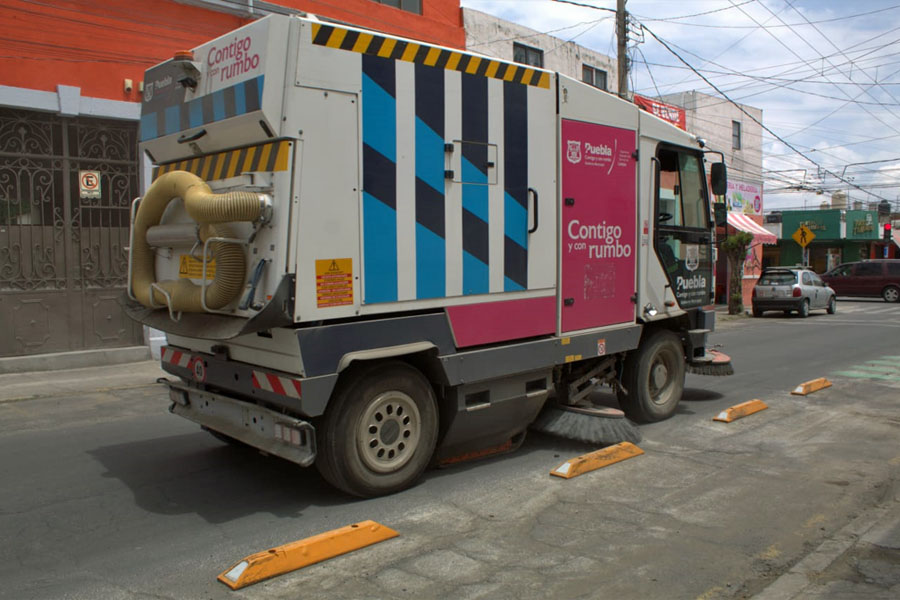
point(379, 133)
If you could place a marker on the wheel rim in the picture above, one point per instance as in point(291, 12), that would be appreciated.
point(662, 381)
point(389, 431)
point(891, 294)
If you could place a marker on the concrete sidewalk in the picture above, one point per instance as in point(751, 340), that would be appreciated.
point(62, 382)
point(862, 560)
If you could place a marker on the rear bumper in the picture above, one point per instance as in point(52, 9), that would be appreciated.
point(777, 303)
point(270, 431)
point(305, 397)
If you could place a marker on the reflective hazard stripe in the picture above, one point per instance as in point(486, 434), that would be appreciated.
point(283, 386)
point(272, 156)
point(365, 43)
point(176, 357)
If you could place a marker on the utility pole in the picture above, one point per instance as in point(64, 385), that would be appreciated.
point(622, 36)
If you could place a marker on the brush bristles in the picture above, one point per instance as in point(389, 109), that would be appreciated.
point(590, 429)
point(722, 370)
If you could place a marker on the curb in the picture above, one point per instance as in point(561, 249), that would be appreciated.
point(799, 580)
point(73, 360)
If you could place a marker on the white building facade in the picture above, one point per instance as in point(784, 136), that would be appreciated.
point(501, 39)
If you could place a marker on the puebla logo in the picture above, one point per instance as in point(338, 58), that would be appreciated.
point(573, 151)
point(691, 257)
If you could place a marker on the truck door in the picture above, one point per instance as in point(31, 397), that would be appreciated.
point(598, 225)
point(683, 242)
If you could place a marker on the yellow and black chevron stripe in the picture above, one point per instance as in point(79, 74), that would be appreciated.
point(222, 165)
point(385, 47)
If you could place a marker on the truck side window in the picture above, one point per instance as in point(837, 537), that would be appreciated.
point(696, 207)
point(669, 189)
point(682, 197)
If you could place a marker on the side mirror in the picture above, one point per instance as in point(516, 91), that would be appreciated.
point(720, 214)
point(719, 178)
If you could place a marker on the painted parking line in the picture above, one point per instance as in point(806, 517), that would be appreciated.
point(877, 368)
point(868, 375)
point(884, 362)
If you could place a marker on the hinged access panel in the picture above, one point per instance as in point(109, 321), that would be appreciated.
point(598, 225)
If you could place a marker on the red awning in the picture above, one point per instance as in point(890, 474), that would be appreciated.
point(760, 234)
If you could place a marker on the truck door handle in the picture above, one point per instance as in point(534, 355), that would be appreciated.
point(535, 194)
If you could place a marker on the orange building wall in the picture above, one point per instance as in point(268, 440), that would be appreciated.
point(96, 45)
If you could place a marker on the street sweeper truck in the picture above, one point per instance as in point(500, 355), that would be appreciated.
point(373, 254)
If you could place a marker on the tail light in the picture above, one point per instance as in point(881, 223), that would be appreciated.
point(796, 293)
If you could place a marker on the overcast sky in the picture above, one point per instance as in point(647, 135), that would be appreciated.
point(826, 74)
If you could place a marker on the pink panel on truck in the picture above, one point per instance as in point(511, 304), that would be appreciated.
point(598, 225)
point(490, 322)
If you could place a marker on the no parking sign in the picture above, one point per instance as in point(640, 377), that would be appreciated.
point(89, 182)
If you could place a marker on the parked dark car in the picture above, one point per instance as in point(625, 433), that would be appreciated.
point(792, 289)
point(872, 278)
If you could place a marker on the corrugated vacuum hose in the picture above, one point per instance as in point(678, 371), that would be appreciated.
point(211, 212)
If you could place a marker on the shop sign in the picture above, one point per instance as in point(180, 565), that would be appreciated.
point(673, 114)
point(744, 197)
point(825, 224)
point(862, 225)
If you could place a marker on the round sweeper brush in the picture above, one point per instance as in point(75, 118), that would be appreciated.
point(600, 425)
point(715, 363)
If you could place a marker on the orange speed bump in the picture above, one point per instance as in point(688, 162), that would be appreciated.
point(741, 410)
point(811, 386)
point(594, 460)
point(302, 553)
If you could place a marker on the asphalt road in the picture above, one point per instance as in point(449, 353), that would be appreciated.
point(106, 495)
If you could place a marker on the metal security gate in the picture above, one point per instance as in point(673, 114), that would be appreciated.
point(63, 259)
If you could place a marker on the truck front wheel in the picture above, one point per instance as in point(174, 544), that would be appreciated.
point(379, 430)
point(653, 378)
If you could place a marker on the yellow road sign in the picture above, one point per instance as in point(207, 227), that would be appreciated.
point(803, 236)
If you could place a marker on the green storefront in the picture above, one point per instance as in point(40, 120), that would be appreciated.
point(840, 236)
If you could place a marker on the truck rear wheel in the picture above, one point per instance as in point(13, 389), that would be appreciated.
point(379, 431)
point(654, 378)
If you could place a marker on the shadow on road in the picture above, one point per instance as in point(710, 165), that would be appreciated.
point(219, 483)
point(700, 395)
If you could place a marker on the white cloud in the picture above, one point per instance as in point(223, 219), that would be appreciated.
point(825, 71)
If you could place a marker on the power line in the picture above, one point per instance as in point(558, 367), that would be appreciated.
point(754, 119)
point(612, 10)
point(819, 31)
point(709, 12)
point(537, 34)
point(829, 62)
point(843, 18)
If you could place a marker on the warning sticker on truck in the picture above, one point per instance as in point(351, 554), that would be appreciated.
point(334, 282)
point(192, 268)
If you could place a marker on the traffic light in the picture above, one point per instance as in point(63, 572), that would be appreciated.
point(887, 232)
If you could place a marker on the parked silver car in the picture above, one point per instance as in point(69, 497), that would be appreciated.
point(792, 289)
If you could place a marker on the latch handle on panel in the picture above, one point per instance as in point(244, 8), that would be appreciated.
point(534, 193)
